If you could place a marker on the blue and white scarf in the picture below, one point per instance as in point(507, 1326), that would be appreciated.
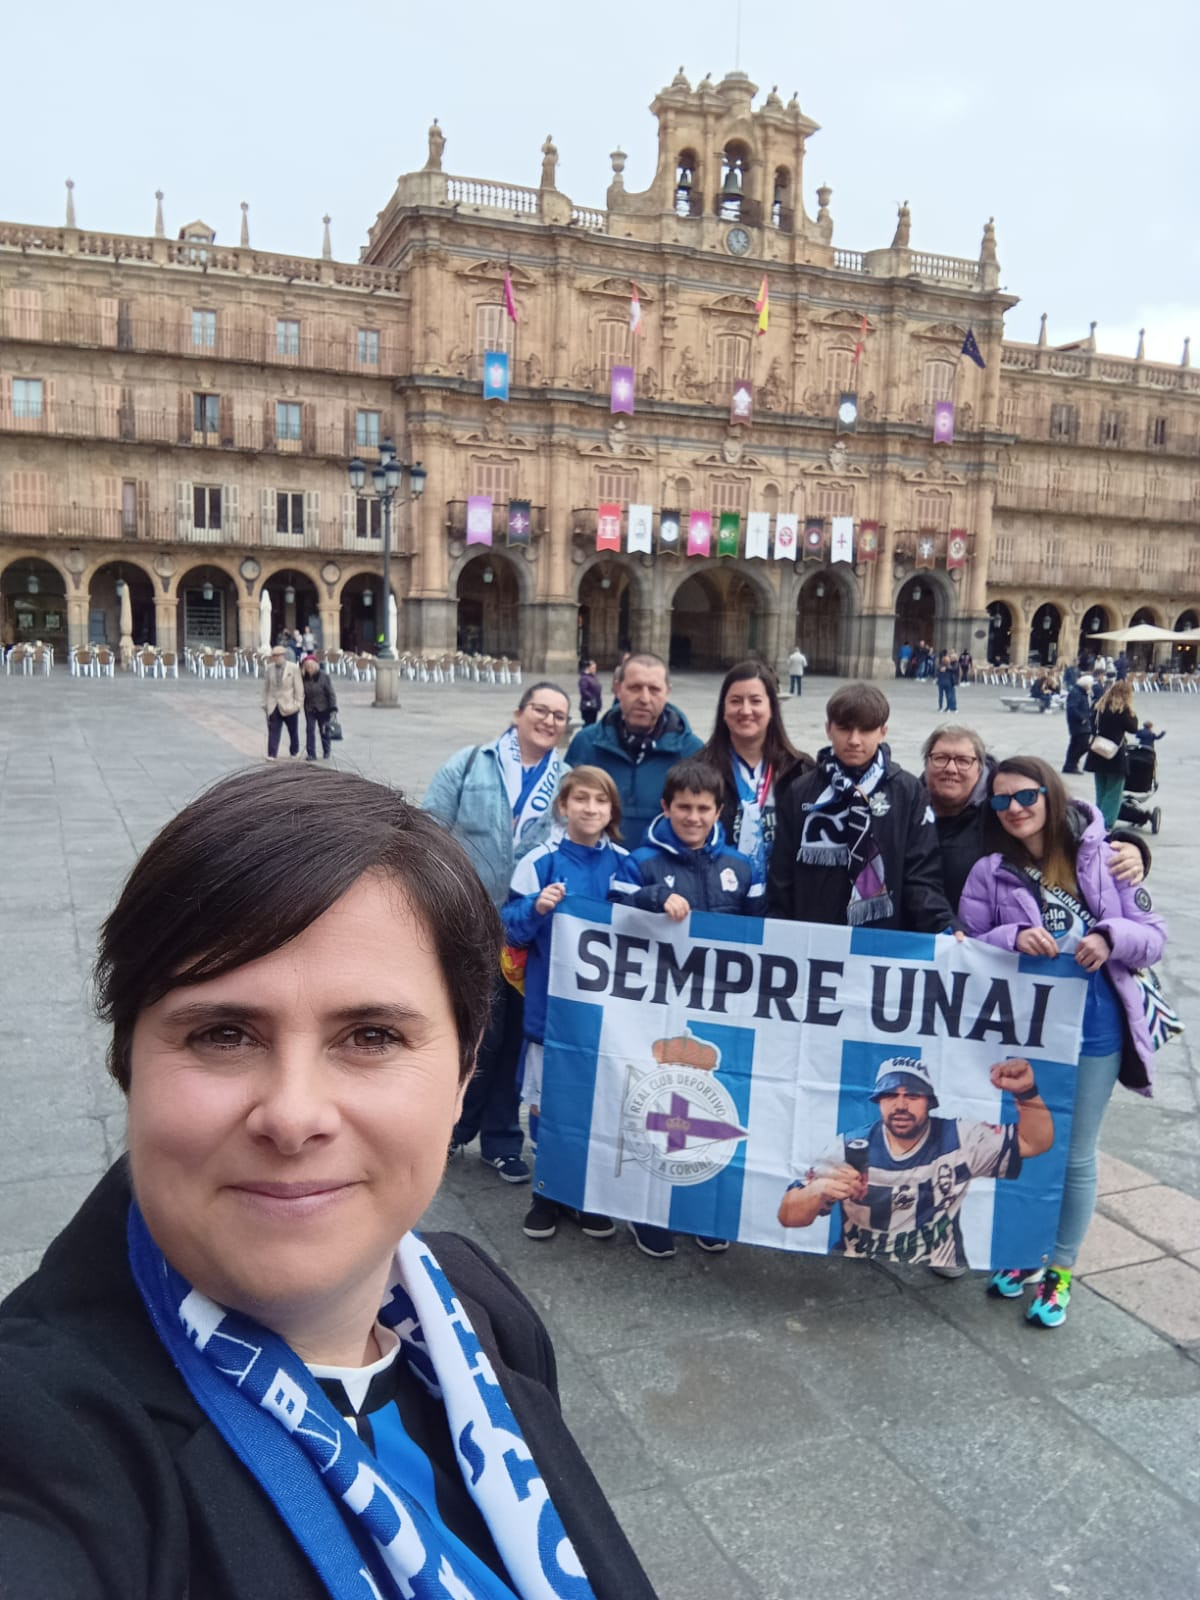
point(837, 833)
point(754, 821)
point(368, 1536)
point(530, 790)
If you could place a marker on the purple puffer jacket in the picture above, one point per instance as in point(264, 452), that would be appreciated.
point(999, 900)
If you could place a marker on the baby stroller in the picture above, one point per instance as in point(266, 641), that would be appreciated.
point(1141, 782)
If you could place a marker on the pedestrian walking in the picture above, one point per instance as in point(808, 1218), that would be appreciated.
point(797, 666)
point(1079, 721)
point(282, 698)
point(1114, 718)
point(320, 703)
point(591, 696)
point(947, 682)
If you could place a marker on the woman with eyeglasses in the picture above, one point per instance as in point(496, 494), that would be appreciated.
point(498, 800)
point(1046, 889)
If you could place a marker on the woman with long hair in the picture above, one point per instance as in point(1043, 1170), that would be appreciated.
point(1114, 718)
point(750, 748)
point(1046, 890)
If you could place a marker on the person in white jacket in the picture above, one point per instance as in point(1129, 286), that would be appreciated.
point(797, 663)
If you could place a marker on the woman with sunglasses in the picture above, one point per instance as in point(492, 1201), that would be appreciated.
point(1047, 890)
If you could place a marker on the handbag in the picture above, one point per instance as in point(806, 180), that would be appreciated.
point(1106, 749)
point(335, 726)
point(1162, 1020)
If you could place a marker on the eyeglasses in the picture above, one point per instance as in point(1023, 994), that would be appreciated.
point(545, 714)
point(1023, 797)
point(960, 763)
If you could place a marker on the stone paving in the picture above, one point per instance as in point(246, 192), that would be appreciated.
point(765, 1425)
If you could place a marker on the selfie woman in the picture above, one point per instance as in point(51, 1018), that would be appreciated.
point(238, 1372)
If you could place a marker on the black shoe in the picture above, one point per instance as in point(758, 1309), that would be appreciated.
point(541, 1220)
point(1074, 771)
point(594, 1223)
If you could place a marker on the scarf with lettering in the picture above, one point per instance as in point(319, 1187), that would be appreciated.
point(530, 790)
point(837, 833)
point(368, 1535)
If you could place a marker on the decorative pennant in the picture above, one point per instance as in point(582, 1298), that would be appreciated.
point(814, 538)
point(608, 525)
point(727, 533)
point(741, 402)
point(868, 541)
point(842, 539)
point(943, 422)
point(510, 303)
point(758, 536)
point(635, 312)
point(699, 533)
point(520, 521)
point(669, 528)
point(862, 339)
point(926, 544)
point(641, 521)
point(479, 519)
point(787, 536)
point(621, 390)
point(763, 306)
point(495, 375)
point(847, 413)
point(970, 348)
point(956, 549)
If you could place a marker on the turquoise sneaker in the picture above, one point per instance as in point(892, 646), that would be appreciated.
point(1009, 1283)
point(1049, 1308)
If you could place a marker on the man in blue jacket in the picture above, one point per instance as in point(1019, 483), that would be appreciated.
point(637, 742)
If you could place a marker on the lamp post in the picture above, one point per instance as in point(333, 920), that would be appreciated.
point(387, 479)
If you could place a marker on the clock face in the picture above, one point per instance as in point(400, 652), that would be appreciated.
point(737, 241)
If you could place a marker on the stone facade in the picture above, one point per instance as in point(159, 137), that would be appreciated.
point(178, 414)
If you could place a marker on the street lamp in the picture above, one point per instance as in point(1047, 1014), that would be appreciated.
point(387, 479)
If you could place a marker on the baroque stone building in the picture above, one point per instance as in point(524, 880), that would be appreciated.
point(177, 414)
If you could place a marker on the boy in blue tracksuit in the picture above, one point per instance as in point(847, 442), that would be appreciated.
point(585, 861)
point(685, 866)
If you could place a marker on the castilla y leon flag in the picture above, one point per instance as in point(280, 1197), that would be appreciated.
point(956, 549)
point(479, 519)
point(943, 422)
point(926, 545)
point(641, 520)
point(495, 375)
point(510, 304)
point(668, 528)
point(741, 402)
point(763, 305)
point(814, 538)
point(519, 521)
point(842, 543)
point(970, 348)
point(699, 533)
point(787, 536)
point(635, 312)
point(727, 534)
point(621, 391)
point(868, 541)
point(608, 525)
point(758, 536)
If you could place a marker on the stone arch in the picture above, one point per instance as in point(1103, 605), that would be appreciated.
point(827, 603)
point(611, 592)
point(104, 603)
point(220, 563)
point(304, 609)
point(492, 610)
point(1045, 633)
point(924, 604)
point(206, 620)
point(729, 613)
point(1002, 623)
point(1185, 653)
point(25, 612)
point(1097, 616)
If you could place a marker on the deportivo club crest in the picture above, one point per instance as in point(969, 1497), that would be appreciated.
point(880, 804)
point(677, 1120)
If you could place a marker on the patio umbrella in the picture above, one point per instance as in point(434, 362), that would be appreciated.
point(264, 622)
point(126, 626)
point(391, 624)
point(1143, 633)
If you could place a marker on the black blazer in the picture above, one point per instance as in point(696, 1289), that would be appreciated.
point(113, 1482)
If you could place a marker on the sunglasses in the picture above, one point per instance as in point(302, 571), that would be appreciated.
point(1023, 797)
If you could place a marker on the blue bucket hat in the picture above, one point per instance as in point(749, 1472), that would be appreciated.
point(904, 1072)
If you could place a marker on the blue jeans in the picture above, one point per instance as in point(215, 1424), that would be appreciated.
point(491, 1106)
point(797, 682)
point(1094, 1082)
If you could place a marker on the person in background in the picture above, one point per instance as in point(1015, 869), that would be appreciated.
point(1114, 719)
point(308, 641)
point(947, 682)
point(1079, 722)
point(964, 666)
point(904, 659)
point(1046, 890)
point(591, 696)
point(750, 748)
point(797, 666)
point(320, 702)
point(282, 697)
point(1121, 666)
point(1147, 737)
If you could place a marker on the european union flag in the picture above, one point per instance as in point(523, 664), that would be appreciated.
point(971, 348)
point(495, 375)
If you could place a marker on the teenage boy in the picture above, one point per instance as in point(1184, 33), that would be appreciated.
point(855, 839)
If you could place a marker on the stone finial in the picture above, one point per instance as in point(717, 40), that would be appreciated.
point(549, 162)
point(1042, 330)
point(903, 226)
point(680, 81)
point(244, 240)
point(437, 143)
point(618, 159)
point(1091, 338)
point(987, 249)
point(1141, 349)
point(794, 102)
point(160, 231)
point(773, 102)
point(326, 242)
point(1185, 359)
point(70, 202)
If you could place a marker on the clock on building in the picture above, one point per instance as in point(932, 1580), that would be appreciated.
point(737, 241)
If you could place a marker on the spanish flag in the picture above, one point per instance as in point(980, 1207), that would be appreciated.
point(763, 305)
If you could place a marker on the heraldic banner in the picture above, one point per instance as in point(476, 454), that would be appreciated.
point(707, 1075)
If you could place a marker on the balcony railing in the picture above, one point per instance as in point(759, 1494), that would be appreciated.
point(456, 519)
point(1091, 501)
point(1098, 428)
point(481, 194)
point(1066, 571)
point(154, 527)
point(1107, 369)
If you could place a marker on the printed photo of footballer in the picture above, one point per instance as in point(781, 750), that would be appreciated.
point(901, 1181)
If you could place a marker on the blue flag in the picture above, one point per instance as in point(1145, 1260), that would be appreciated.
point(971, 348)
point(495, 375)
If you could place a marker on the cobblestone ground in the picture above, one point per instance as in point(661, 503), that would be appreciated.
point(766, 1426)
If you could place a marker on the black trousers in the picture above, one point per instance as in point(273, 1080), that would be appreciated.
point(275, 722)
point(492, 1102)
point(1077, 747)
point(312, 721)
point(589, 714)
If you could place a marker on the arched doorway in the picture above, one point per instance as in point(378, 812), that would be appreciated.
point(1142, 652)
point(489, 607)
point(717, 620)
point(294, 604)
point(1043, 635)
point(1185, 654)
point(361, 617)
point(916, 614)
point(820, 617)
point(1097, 620)
point(605, 594)
point(104, 604)
point(207, 614)
point(34, 599)
point(1000, 627)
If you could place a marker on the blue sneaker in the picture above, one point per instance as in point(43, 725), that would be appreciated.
point(510, 1169)
point(1049, 1308)
point(1010, 1283)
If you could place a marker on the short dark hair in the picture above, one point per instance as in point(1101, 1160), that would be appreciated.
point(695, 776)
point(646, 658)
point(858, 705)
point(250, 863)
point(543, 683)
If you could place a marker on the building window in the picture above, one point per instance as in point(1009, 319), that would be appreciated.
point(938, 382)
point(204, 330)
point(781, 200)
point(612, 345)
point(495, 478)
point(287, 420)
point(494, 330)
point(933, 511)
point(1111, 427)
point(1158, 432)
point(368, 518)
point(732, 359)
point(733, 182)
point(1064, 421)
point(1008, 414)
point(617, 488)
point(368, 347)
point(831, 502)
point(129, 504)
point(206, 413)
point(366, 430)
point(289, 513)
point(27, 396)
point(287, 337)
point(729, 495)
point(688, 202)
point(206, 505)
point(838, 371)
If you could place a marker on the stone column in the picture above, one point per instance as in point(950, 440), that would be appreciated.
point(166, 633)
point(331, 625)
point(77, 621)
point(248, 624)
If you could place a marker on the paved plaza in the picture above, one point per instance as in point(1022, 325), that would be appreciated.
point(767, 1426)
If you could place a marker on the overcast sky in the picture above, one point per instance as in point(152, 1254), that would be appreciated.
point(1075, 122)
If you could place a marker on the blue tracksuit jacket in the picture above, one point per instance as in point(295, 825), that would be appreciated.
point(713, 878)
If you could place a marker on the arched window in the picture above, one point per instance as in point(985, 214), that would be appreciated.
point(838, 371)
point(732, 361)
point(938, 382)
point(781, 200)
point(687, 198)
point(613, 345)
point(679, 493)
point(735, 166)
